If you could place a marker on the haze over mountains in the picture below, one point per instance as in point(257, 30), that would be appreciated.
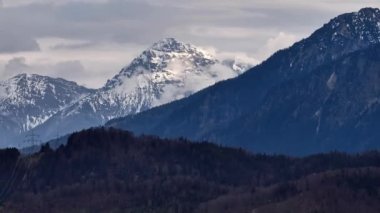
point(167, 71)
point(319, 95)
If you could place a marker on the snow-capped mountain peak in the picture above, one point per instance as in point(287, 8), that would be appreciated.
point(168, 70)
point(170, 45)
point(25, 89)
point(161, 57)
point(28, 100)
point(22, 85)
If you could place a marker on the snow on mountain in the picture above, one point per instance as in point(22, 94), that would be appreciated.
point(27, 101)
point(363, 24)
point(169, 70)
point(321, 94)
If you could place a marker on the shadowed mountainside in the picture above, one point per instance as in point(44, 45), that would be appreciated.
point(319, 95)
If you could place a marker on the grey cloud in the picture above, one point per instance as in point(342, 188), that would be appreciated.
point(72, 46)
point(116, 21)
point(14, 42)
point(246, 26)
point(69, 69)
point(64, 69)
point(144, 22)
point(15, 66)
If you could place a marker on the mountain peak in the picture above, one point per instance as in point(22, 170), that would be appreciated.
point(170, 45)
point(27, 100)
point(363, 20)
point(30, 78)
point(362, 26)
point(343, 34)
point(367, 15)
point(369, 11)
point(162, 57)
point(26, 80)
point(21, 79)
point(23, 76)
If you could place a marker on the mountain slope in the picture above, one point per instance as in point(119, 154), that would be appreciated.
point(26, 101)
point(274, 106)
point(169, 70)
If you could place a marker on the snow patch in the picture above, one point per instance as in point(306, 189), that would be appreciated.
point(331, 82)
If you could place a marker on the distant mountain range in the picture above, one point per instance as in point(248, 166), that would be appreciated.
point(319, 95)
point(169, 70)
point(27, 101)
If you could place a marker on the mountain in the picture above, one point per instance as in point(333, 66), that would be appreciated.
point(27, 101)
point(169, 70)
point(108, 170)
point(321, 94)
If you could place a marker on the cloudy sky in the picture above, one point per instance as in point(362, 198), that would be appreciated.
point(89, 41)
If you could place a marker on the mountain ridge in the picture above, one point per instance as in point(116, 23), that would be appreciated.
point(168, 70)
point(226, 113)
point(27, 100)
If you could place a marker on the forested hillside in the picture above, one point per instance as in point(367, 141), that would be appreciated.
point(115, 171)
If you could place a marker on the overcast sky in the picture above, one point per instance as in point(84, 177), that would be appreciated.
point(89, 41)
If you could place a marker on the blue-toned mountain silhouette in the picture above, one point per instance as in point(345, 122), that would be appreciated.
point(319, 95)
